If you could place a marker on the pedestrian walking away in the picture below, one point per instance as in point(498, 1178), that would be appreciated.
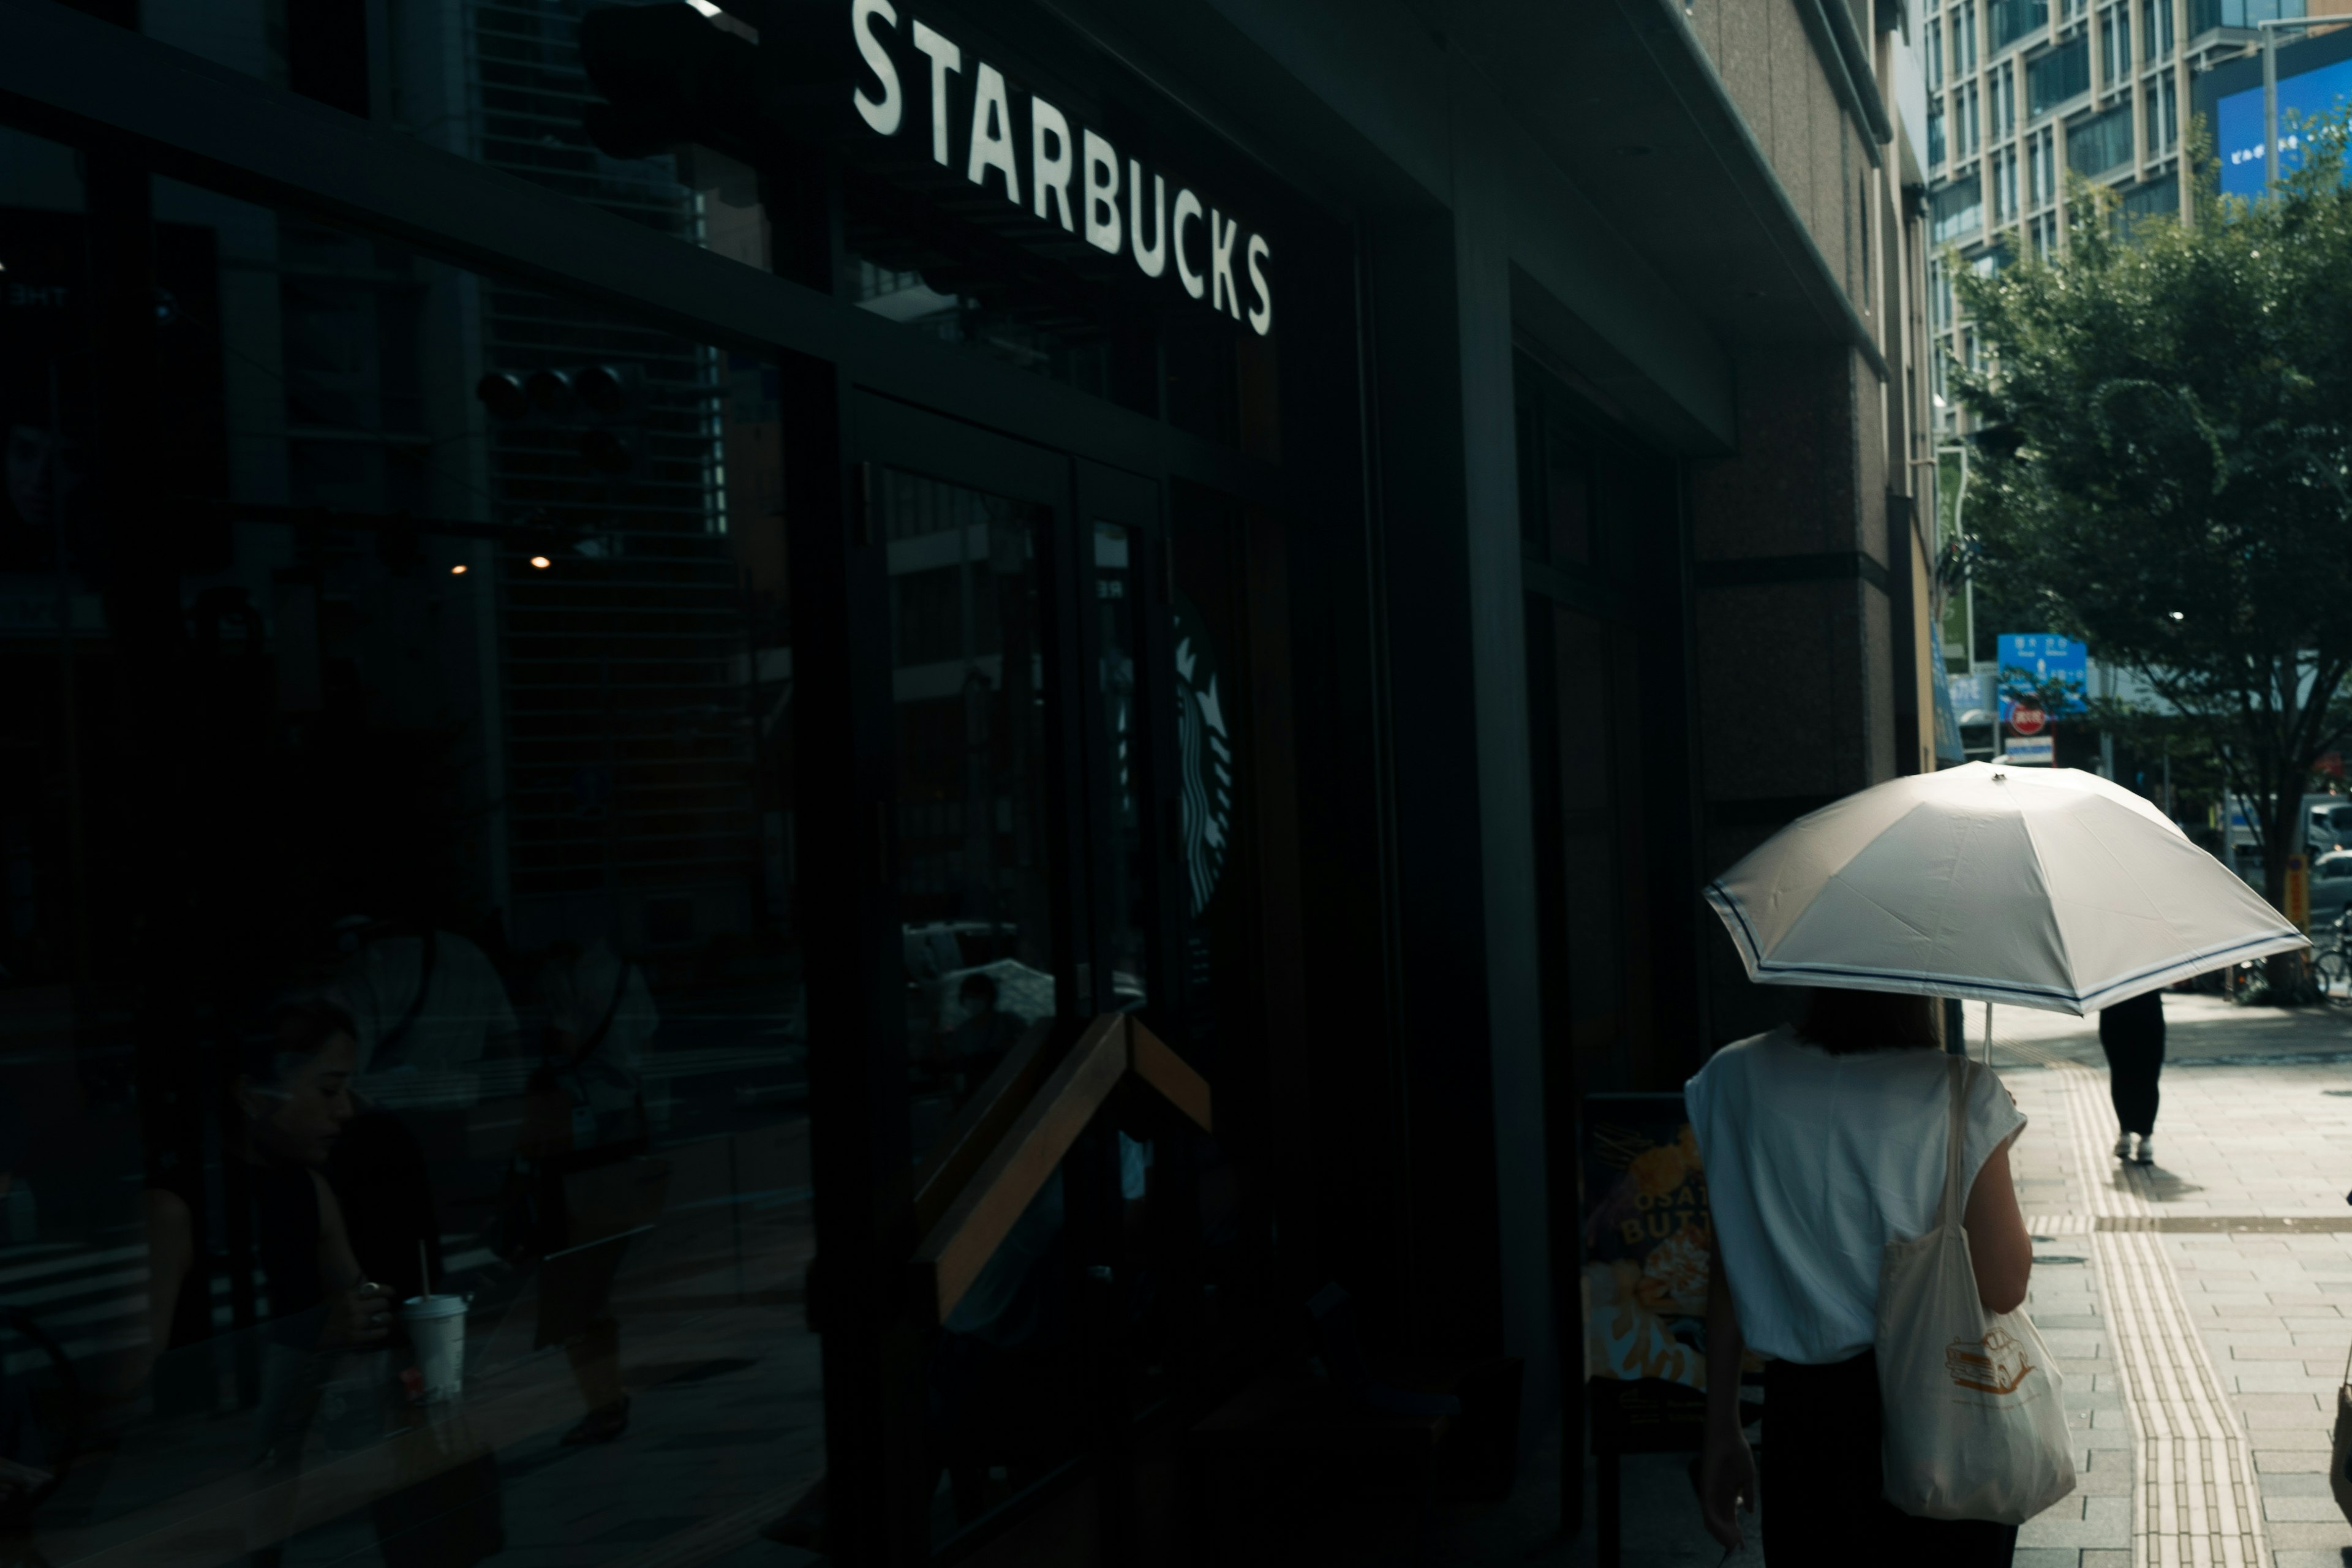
point(2132, 1034)
point(1824, 1142)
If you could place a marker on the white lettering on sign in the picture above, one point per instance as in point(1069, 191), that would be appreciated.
point(1222, 296)
point(945, 58)
point(991, 132)
point(1188, 205)
point(1153, 262)
point(1149, 233)
point(1261, 316)
point(882, 113)
point(1102, 193)
point(1049, 173)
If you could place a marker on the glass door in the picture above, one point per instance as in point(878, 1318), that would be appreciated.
point(1035, 852)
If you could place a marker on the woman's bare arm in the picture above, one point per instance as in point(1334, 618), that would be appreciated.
point(1999, 1248)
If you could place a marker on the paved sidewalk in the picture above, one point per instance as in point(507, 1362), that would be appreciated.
point(2201, 1308)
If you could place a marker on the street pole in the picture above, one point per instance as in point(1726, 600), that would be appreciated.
point(2269, 108)
point(2270, 31)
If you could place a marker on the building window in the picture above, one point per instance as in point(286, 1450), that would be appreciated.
point(1935, 136)
point(2204, 15)
point(2063, 73)
point(2156, 29)
point(1935, 57)
point(1868, 260)
point(2010, 20)
point(1958, 209)
point(2100, 143)
point(2156, 198)
point(2115, 44)
point(1963, 46)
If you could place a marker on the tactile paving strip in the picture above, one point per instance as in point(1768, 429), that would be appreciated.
point(2195, 1499)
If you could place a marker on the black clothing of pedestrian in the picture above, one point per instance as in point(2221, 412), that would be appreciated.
point(2132, 1033)
point(1823, 1423)
point(284, 1208)
point(385, 1184)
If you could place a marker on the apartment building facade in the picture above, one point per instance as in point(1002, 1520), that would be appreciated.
point(2023, 93)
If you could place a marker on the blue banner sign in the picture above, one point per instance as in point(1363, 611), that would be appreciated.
point(2238, 134)
point(2039, 661)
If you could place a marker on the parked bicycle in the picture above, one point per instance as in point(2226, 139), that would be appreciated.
point(2332, 970)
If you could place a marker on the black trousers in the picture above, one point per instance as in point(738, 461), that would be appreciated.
point(1821, 1481)
point(2132, 1033)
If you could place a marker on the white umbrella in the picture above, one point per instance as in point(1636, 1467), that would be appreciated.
point(2034, 887)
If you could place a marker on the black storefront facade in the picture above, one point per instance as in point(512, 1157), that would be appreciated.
point(1064, 646)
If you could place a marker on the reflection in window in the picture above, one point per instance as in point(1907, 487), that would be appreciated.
point(398, 894)
point(1117, 605)
point(969, 683)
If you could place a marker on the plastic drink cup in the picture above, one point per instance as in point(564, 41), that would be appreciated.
point(436, 1327)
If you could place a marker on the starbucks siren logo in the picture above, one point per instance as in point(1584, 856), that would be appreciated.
point(1204, 759)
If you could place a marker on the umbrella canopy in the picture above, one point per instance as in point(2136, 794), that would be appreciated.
point(2035, 887)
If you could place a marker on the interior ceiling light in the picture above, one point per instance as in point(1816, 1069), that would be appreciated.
point(458, 570)
point(541, 562)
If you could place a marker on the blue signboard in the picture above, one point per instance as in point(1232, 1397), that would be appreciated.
point(2238, 124)
point(2031, 661)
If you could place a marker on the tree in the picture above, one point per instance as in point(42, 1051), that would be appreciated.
point(2166, 466)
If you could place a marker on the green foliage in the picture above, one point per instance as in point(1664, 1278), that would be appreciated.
point(2172, 481)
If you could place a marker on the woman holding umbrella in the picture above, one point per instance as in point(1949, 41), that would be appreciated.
point(1830, 1146)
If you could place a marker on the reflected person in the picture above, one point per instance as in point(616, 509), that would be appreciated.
point(584, 1125)
point(425, 1000)
point(291, 1098)
point(976, 1044)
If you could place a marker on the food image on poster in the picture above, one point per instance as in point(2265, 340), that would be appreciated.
point(1647, 1243)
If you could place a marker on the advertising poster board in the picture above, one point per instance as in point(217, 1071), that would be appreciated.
point(1647, 1245)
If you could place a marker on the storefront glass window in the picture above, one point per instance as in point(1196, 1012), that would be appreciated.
point(969, 680)
point(1117, 602)
point(400, 907)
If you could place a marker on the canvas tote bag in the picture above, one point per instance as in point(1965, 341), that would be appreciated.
point(1975, 1422)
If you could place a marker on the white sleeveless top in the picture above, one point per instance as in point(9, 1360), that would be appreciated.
point(1814, 1162)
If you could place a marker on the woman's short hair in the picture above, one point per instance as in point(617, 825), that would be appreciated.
point(1841, 1022)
